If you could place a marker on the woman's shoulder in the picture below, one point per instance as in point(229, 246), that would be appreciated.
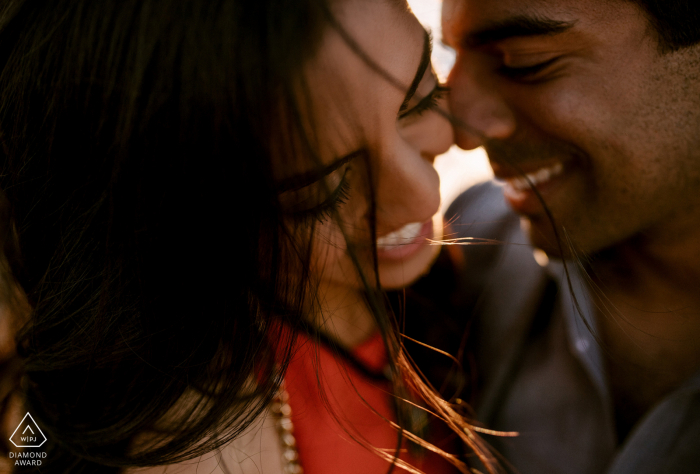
point(256, 451)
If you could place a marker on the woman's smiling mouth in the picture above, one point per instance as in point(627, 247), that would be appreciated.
point(404, 242)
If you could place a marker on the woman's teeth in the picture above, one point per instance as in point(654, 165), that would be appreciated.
point(405, 235)
point(519, 183)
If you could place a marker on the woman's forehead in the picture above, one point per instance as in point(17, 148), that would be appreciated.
point(350, 97)
point(385, 31)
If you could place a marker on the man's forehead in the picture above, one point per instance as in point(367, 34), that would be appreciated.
point(475, 15)
point(478, 11)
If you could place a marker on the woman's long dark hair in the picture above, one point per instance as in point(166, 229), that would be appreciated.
point(136, 144)
point(136, 163)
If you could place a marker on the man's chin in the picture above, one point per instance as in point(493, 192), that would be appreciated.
point(541, 234)
point(568, 241)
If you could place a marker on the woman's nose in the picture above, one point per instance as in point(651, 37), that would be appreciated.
point(432, 134)
point(479, 112)
point(409, 186)
point(408, 190)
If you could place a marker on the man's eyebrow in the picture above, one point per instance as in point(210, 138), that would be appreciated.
point(308, 178)
point(422, 67)
point(517, 26)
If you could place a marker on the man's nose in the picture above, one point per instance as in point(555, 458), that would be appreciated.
point(480, 112)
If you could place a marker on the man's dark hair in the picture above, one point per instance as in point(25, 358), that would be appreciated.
point(677, 22)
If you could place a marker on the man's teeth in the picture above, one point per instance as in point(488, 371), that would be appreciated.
point(519, 183)
point(405, 235)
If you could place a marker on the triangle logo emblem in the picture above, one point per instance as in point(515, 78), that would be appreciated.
point(28, 434)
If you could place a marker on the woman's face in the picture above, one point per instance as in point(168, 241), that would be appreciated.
point(376, 135)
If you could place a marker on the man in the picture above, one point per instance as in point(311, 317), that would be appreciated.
point(594, 359)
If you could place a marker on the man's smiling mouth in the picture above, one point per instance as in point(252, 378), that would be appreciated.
point(535, 178)
point(523, 190)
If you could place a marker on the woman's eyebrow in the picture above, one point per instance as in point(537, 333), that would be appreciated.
point(422, 67)
point(308, 178)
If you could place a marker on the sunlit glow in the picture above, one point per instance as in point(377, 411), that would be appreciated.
point(458, 169)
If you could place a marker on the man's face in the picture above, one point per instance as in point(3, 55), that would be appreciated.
point(576, 95)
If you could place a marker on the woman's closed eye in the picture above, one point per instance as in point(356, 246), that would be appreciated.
point(317, 202)
point(428, 102)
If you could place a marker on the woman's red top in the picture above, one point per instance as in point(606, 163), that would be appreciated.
point(323, 445)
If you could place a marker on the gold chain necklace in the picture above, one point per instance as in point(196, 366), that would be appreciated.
point(282, 412)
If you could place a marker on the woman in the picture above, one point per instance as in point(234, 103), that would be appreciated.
point(204, 197)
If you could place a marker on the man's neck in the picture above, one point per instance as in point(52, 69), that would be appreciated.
point(646, 291)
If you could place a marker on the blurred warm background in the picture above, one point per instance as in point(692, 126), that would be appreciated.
point(458, 169)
